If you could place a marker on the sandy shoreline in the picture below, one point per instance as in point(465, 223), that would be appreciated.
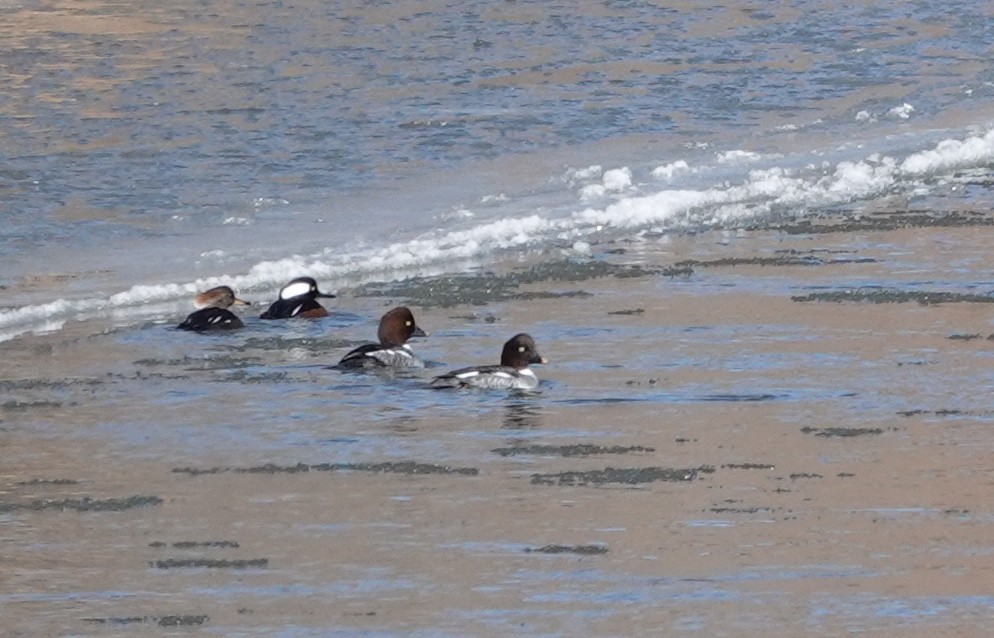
point(707, 455)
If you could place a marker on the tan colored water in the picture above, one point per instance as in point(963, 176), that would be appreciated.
point(837, 456)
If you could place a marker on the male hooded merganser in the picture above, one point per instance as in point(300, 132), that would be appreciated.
point(513, 372)
point(297, 299)
point(396, 327)
point(214, 313)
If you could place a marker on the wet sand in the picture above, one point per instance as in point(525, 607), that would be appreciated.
point(729, 442)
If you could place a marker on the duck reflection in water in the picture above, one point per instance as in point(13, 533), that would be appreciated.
point(522, 413)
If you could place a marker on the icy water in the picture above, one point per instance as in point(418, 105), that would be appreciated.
point(752, 239)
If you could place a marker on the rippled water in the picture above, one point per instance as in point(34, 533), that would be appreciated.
point(728, 227)
point(208, 138)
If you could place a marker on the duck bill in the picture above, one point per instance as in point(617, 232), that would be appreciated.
point(418, 332)
point(326, 295)
point(240, 302)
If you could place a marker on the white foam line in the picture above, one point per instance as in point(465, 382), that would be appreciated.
point(761, 192)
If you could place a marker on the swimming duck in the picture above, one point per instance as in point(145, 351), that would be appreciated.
point(214, 313)
point(297, 299)
point(513, 372)
point(396, 327)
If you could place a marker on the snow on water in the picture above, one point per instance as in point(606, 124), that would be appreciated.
point(606, 201)
point(355, 141)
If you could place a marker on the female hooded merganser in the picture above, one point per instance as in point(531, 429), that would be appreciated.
point(396, 327)
point(214, 313)
point(513, 372)
point(297, 299)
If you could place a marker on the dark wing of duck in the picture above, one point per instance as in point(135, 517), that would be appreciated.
point(359, 358)
point(494, 377)
point(375, 355)
point(211, 319)
point(296, 307)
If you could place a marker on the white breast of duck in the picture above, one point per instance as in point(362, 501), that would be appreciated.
point(513, 372)
point(396, 357)
point(497, 378)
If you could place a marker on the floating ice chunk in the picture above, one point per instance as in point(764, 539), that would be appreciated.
point(737, 157)
point(617, 179)
point(669, 170)
point(856, 180)
point(455, 214)
point(972, 151)
point(262, 202)
point(904, 111)
point(865, 116)
point(576, 175)
point(592, 191)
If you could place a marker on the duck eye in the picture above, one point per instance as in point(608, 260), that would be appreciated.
point(521, 348)
point(407, 323)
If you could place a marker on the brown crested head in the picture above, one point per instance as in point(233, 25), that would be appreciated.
point(397, 326)
point(218, 297)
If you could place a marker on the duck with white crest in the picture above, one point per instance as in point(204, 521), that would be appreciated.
point(298, 298)
point(214, 313)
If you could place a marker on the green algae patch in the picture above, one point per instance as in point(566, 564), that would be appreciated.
point(35, 482)
point(620, 476)
point(628, 312)
point(85, 504)
point(947, 412)
point(196, 544)
point(778, 260)
point(264, 378)
point(10, 385)
point(582, 449)
point(851, 222)
point(740, 510)
point(181, 620)
point(488, 287)
point(403, 467)
point(210, 563)
point(970, 337)
point(749, 466)
point(890, 295)
point(581, 550)
point(400, 467)
point(842, 432)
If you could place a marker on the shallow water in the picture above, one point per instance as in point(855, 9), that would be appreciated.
point(727, 460)
point(365, 141)
point(753, 241)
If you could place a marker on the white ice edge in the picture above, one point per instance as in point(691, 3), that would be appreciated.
point(762, 191)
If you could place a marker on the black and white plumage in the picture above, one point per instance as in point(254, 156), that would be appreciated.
point(214, 313)
point(298, 299)
point(396, 327)
point(513, 372)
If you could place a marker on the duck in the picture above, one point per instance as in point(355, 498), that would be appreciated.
point(513, 373)
point(214, 313)
point(396, 327)
point(298, 299)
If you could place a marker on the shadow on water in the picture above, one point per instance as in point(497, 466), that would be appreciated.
point(675, 397)
point(523, 412)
